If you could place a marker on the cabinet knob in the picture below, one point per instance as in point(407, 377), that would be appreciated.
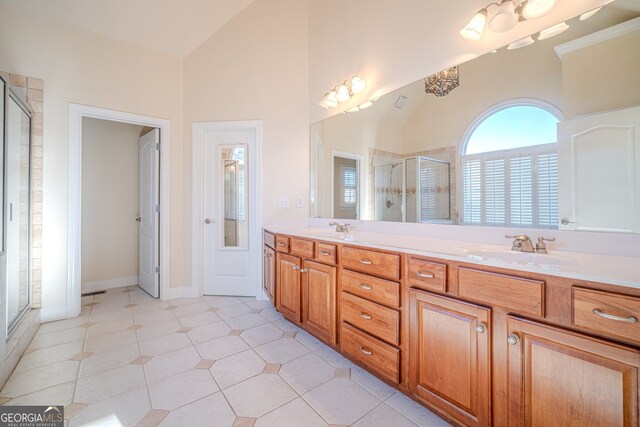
point(304, 270)
point(295, 267)
point(513, 339)
point(481, 328)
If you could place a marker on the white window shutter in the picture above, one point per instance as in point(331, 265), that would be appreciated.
point(494, 191)
point(547, 176)
point(521, 190)
point(472, 191)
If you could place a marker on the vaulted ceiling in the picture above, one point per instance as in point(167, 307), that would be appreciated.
point(175, 27)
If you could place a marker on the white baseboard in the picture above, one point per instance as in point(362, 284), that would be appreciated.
point(183, 292)
point(103, 285)
point(51, 314)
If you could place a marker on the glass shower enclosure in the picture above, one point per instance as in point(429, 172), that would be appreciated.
point(16, 204)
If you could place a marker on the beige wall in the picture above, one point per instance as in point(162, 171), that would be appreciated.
point(81, 67)
point(109, 200)
point(603, 76)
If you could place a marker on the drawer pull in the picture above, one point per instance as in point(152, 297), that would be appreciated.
point(280, 244)
point(366, 316)
point(366, 262)
point(629, 319)
point(325, 253)
point(366, 287)
point(366, 351)
point(425, 275)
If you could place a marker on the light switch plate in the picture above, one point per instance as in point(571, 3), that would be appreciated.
point(300, 201)
point(283, 202)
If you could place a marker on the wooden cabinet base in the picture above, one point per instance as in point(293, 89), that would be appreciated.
point(376, 355)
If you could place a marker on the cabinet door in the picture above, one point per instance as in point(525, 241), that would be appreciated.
point(269, 271)
point(319, 300)
point(449, 357)
point(561, 378)
point(288, 294)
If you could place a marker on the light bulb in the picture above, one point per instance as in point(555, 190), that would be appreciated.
point(505, 18)
point(330, 100)
point(343, 93)
point(475, 27)
point(357, 85)
point(536, 8)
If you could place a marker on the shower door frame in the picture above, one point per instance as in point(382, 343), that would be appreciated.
point(11, 93)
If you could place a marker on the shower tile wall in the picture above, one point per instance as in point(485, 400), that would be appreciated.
point(387, 185)
point(32, 89)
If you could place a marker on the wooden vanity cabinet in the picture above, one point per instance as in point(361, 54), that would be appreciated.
point(269, 265)
point(562, 378)
point(319, 282)
point(288, 287)
point(450, 357)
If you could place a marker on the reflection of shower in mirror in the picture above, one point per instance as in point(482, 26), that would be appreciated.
point(388, 203)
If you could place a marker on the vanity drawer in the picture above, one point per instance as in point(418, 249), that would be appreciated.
point(370, 262)
point(373, 318)
point(514, 293)
point(325, 252)
point(427, 275)
point(301, 248)
point(282, 244)
point(379, 357)
point(369, 287)
point(269, 239)
point(611, 314)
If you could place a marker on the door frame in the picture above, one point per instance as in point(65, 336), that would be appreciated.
point(197, 198)
point(76, 113)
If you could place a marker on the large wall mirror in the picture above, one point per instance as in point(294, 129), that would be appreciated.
point(543, 133)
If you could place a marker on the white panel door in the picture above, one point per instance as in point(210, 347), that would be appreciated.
point(599, 172)
point(231, 260)
point(148, 229)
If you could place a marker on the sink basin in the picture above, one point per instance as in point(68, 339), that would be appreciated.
point(330, 234)
point(518, 257)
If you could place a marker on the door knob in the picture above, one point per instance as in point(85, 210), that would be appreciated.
point(208, 221)
point(139, 219)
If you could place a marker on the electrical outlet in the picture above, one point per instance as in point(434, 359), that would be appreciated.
point(300, 201)
point(283, 202)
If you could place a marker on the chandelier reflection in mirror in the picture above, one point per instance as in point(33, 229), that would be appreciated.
point(443, 82)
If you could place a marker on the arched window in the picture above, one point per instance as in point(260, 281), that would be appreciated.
point(509, 168)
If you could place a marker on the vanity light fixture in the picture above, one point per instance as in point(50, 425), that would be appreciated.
point(506, 16)
point(343, 92)
point(589, 14)
point(553, 31)
point(521, 43)
point(442, 82)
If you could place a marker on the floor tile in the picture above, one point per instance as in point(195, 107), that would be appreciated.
point(199, 319)
point(272, 368)
point(260, 304)
point(220, 301)
point(271, 314)
point(62, 325)
point(21, 383)
point(61, 394)
point(281, 350)
point(164, 344)
point(334, 358)
point(47, 356)
point(204, 364)
point(178, 390)
point(259, 395)
point(141, 360)
point(212, 410)
point(261, 334)
point(220, 348)
point(108, 341)
point(108, 326)
point(121, 410)
point(205, 333)
point(415, 412)
point(244, 422)
point(109, 383)
point(72, 409)
point(190, 309)
point(294, 414)
point(371, 383)
point(59, 337)
point(154, 330)
point(246, 321)
point(341, 401)
point(153, 418)
point(384, 416)
point(237, 368)
point(230, 312)
point(309, 340)
point(108, 359)
point(307, 372)
point(151, 317)
point(170, 364)
point(285, 325)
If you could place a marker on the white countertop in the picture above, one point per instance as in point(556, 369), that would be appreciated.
point(615, 270)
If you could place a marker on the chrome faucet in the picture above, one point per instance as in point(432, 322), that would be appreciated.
point(521, 243)
point(341, 228)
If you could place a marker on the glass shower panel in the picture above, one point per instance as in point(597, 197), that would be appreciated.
point(17, 209)
point(433, 190)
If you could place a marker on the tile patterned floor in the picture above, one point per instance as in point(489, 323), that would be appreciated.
point(130, 360)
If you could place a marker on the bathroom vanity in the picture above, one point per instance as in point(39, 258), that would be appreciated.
point(478, 335)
